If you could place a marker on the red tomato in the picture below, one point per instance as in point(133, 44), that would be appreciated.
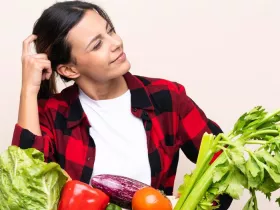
point(149, 198)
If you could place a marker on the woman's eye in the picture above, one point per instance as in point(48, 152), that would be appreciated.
point(97, 46)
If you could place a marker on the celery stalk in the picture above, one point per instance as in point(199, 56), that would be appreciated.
point(204, 158)
point(256, 126)
point(201, 186)
point(205, 147)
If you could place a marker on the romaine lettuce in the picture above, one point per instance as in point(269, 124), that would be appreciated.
point(27, 182)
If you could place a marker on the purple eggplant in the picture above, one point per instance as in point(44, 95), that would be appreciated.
point(120, 189)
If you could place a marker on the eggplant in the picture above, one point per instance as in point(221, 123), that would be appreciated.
point(120, 189)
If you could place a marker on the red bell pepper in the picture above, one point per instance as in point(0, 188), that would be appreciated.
point(78, 195)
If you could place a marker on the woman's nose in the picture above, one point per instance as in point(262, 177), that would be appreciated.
point(116, 43)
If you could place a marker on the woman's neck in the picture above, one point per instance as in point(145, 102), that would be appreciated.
point(102, 91)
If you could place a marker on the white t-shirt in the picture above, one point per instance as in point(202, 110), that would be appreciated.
point(119, 136)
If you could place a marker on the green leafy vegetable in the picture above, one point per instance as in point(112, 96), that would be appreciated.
point(278, 201)
point(231, 172)
point(251, 203)
point(113, 206)
point(27, 182)
point(182, 187)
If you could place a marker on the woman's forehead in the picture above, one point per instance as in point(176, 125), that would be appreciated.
point(91, 25)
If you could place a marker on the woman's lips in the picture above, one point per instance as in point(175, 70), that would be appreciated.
point(121, 58)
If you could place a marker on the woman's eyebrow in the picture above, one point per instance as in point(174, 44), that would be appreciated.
point(97, 37)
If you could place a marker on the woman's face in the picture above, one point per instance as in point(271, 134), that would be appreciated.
point(97, 49)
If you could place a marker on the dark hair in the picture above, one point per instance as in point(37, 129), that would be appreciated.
point(52, 29)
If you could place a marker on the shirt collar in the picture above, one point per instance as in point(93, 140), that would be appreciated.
point(139, 95)
point(140, 99)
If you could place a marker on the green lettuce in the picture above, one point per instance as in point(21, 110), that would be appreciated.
point(27, 182)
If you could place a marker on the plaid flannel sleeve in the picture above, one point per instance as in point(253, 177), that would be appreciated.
point(193, 124)
point(24, 138)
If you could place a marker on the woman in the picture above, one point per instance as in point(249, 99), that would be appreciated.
point(109, 121)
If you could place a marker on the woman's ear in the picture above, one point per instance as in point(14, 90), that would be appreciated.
point(68, 71)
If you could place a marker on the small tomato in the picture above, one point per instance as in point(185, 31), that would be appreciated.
point(149, 198)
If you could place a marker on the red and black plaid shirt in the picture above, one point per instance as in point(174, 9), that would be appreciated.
point(171, 119)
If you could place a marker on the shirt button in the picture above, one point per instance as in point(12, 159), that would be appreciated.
point(135, 109)
point(89, 158)
point(145, 113)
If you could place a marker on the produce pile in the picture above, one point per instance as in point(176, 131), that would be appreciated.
point(239, 166)
point(27, 182)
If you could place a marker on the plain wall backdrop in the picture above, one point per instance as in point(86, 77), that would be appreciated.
point(225, 52)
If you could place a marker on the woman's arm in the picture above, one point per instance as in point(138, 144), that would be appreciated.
point(33, 128)
point(35, 68)
point(28, 116)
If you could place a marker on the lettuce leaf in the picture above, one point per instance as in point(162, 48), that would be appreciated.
point(27, 182)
